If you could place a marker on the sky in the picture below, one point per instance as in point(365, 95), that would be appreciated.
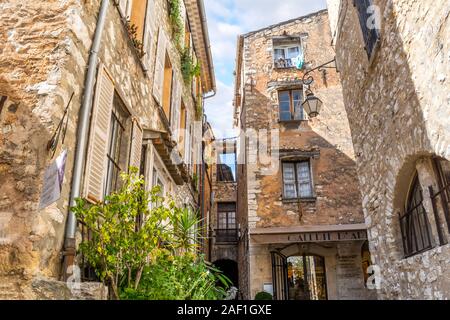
point(226, 20)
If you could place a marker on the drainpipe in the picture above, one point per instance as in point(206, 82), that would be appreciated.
point(82, 138)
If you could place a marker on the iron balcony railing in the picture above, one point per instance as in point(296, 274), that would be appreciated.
point(227, 235)
point(415, 229)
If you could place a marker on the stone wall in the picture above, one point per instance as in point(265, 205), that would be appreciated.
point(398, 109)
point(326, 140)
point(44, 51)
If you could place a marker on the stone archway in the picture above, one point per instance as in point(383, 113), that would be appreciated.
point(229, 269)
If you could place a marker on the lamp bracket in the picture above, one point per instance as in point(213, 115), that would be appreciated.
point(308, 79)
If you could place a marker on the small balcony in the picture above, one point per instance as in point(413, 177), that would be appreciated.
point(227, 236)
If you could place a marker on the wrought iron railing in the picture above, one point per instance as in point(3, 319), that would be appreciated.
point(87, 271)
point(415, 229)
point(227, 235)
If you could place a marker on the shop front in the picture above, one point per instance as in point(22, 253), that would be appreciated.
point(310, 263)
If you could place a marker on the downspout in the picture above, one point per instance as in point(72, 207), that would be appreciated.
point(82, 139)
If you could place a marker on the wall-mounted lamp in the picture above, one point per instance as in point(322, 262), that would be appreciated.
point(312, 104)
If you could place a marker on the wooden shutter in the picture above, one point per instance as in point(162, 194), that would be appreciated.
point(99, 135)
point(183, 19)
point(176, 105)
point(148, 34)
point(124, 7)
point(187, 139)
point(136, 144)
point(158, 80)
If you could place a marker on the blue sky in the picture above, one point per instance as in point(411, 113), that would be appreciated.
point(226, 20)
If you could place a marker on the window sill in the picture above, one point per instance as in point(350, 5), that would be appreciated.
point(418, 252)
point(311, 199)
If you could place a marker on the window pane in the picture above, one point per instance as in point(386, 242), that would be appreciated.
point(284, 96)
point(304, 179)
point(279, 54)
point(290, 191)
point(293, 52)
point(298, 100)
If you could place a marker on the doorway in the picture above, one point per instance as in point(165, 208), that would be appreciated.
point(306, 278)
point(229, 269)
point(300, 277)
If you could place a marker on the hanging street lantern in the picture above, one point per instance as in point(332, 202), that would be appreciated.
point(312, 105)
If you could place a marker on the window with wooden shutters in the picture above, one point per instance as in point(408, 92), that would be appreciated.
point(125, 7)
point(96, 163)
point(297, 180)
point(147, 41)
point(136, 144)
point(187, 141)
point(176, 105)
point(158, 81)
point(182, 133)
point(369, 24)
point(137, 18)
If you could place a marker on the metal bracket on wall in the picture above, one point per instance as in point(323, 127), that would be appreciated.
point(60, 129)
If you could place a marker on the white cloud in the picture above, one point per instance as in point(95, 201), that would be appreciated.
point(219, 110)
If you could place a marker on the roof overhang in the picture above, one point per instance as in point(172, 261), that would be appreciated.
point(169, 155)
point(200, 36)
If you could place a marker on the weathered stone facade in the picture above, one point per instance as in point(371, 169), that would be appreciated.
point(44, 52)
point(266, 216)
point(397, 104)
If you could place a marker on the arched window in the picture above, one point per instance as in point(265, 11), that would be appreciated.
point(414, 223)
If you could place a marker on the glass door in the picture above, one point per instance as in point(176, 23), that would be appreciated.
point(306, 278)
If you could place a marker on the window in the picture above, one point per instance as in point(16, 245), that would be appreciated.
point(369, 25)
point(182, 134)
point(297, 181)
point(226, 222)
point(284, 56)
point(290, 104)
point(118, 145)
point(167, 87)
point(414, 223)
point(137, 19)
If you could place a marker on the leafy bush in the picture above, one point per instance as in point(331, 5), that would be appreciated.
point(263, 296)
point(156, 259)
point(176, 21)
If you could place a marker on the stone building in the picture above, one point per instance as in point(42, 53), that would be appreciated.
point(302, 232)
point(223, 225)
point(101, 82)
point(394, 64)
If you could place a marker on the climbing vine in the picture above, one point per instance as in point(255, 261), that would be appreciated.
point(189, 69)
point(176, 21)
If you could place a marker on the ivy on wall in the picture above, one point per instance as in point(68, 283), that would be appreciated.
point(189, 69)
point(176, 21)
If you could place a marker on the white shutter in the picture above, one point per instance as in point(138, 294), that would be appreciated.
point(183, 19)
point(124, 7)
point(176, 106)
point(158, 80)
point(99, 135)
point(148, 34)
point(187, 139)
point(136, 144)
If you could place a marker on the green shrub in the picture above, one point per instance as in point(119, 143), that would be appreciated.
point(157, 259)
